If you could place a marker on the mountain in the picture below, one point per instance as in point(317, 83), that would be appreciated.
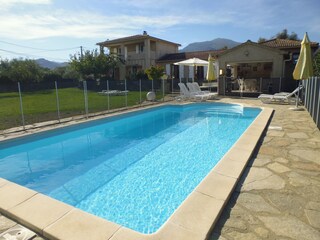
point(214, 44)
point(50, 64)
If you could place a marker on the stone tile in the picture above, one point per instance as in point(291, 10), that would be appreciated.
point(262, 232)
point(275, 133)
point(259, 162)
point(313, 206)
point(307, 155)
point(290, 227)
point(197, 213)
point(281, 160)
point(216, 236)
point(12, 194)
point(299, 135)
point(278, 168)
point(313, 217)
point(242, 236)
point(260, 178)
point(39, 211)
point(256, 203)
point(5, 223)
point(217, 186)
point(299, 180)
point(287, 201)
point(77, 224)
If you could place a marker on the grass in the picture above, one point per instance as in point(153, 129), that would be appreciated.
point(41, 105)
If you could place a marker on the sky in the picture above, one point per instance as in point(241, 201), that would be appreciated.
point(55, 29)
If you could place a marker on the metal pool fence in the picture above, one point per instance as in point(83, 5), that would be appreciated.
point(312, 98)
point(25, 105)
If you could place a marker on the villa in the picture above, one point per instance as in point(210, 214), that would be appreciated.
point(139, 52)
point(267, 66)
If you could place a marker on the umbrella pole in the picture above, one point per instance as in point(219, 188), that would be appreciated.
point(297, 97)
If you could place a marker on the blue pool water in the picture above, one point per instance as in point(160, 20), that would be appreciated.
point(134, 169)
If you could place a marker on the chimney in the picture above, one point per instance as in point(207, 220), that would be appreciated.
point(145, 33)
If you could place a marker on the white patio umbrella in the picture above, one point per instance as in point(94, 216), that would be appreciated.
point(193, 62)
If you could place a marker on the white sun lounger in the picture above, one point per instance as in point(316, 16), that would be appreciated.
point(113, 92)
point(186, 94)
point(282, 97)
point(195, 88)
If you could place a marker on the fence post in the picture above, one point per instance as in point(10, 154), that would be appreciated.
point(85, 92)
point(224, 85)
point(280, 83)
point(21, 106)
point(57, 99)
point(108, 96)
point(172, 85)
point(140, 92)
point(125, 92)
point(162, 89)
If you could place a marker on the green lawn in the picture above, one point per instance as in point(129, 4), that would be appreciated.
point(41, 105)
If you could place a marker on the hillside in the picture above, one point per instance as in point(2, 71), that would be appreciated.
point(50, 64)
point(214, 44)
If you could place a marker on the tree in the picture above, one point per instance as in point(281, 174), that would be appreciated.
point(19, 70)
point(281, 35)
point(93, 63)
point(261, 39)
point(154, 72)
point(316, 64)
point(284, 35)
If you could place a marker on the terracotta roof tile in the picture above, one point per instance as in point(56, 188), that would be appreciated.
point(285, 43)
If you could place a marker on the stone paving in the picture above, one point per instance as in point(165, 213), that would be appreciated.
point(278, 196)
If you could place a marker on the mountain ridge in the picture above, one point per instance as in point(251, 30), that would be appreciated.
point(215, 44)
point(42, 62)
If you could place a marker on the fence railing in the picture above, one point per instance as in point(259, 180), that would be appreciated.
point(239, 87)
point(312, 98)
point(25, 104)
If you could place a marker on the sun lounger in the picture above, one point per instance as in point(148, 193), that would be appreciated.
point(195, 88)
point(282, 97)
point(186, 94)
point(112, 92)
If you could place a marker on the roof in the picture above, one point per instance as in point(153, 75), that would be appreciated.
point(250, 43)
point(286, 43)
point(175, 57)
point(133, 38)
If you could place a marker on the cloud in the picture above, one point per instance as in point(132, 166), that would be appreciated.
point(6, 4)
point(62, 23)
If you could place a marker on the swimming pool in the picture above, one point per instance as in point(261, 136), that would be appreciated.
point(135, 169)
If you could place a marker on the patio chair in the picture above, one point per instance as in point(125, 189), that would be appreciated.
point(282, 97)
point(186, 94)
point(195, 88)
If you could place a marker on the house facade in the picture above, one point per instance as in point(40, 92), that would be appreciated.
point(264, 67)
point(187, 72)
point(269, 65)
point(138, 52)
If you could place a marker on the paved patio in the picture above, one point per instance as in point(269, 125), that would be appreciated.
point(278, 197)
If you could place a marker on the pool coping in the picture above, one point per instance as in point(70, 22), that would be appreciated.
point(193, 219)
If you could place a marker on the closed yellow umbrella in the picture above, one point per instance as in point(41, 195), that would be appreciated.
point(210, 72)
point(303, 69)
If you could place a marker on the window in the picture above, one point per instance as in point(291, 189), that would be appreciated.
point(139, 48)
